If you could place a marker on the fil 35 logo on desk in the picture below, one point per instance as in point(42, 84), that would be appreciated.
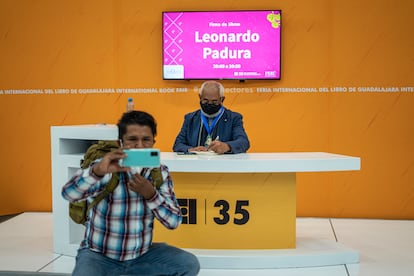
point(222, 212)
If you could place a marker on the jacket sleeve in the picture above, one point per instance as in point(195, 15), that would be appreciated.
point(239, 142)
point(182, 143)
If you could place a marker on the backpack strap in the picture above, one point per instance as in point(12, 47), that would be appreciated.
point(109, 188)
point(156, 176)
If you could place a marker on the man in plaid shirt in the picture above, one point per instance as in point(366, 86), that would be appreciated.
point(119, 229)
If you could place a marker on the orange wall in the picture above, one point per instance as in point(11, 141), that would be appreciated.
point(50, 44)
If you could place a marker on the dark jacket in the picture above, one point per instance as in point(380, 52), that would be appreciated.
point(229, 128)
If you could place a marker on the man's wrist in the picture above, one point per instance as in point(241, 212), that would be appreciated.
point(151, 194)
point(229, 148)
point(94, 174)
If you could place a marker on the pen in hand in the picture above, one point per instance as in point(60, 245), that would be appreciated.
point(216, 139)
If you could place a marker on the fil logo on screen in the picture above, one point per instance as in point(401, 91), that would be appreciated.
point(188, 208)
point(270, 73)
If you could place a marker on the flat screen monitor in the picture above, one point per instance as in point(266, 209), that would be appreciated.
point(241, 45)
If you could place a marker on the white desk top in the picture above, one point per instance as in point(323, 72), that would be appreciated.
point(261, 162)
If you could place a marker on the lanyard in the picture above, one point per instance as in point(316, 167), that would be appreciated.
point(209, 129)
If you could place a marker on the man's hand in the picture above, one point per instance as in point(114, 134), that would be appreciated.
point(109, 163)
point(141, 185)
point(199, 148)
point(218, 147)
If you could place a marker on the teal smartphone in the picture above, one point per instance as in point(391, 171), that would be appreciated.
point(144, 158)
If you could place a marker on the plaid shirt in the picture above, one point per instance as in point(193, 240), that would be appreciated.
point(121, 225)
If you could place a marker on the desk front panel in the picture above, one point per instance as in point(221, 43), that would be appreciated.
point(234, 211)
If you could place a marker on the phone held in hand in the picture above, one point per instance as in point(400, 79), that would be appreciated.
point(144, 158)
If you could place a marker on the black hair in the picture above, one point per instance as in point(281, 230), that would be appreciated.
point(136, 117)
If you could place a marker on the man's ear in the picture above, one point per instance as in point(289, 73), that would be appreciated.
point(222, 99)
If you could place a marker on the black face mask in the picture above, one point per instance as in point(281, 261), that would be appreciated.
point(210, 108)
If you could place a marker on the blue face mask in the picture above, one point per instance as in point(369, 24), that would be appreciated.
point(210, 108)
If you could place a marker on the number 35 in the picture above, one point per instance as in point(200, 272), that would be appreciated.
point(224, 212)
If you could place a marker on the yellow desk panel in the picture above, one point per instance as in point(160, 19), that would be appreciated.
point(234, 211)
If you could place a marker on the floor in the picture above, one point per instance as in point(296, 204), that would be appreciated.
point(386, 247)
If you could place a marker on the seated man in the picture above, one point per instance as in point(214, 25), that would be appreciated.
point(119, 229)
point(213, 127)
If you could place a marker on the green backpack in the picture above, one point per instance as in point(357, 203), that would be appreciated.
point(78, 210)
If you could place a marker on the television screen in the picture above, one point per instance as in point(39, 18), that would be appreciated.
point(238, 45)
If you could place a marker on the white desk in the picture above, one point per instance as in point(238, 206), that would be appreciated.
point(261, 162)
point(207, 180)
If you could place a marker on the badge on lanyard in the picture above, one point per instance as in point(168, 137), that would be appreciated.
point(209, 128)
point(208, 141)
